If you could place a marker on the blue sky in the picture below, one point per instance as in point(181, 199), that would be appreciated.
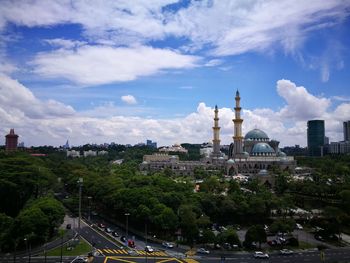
point(102, 71)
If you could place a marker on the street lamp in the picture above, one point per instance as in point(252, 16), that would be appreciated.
point(80, 183)
point(127, 224)
point(89, 202)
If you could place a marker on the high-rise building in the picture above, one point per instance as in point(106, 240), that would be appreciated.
point(149, 143)
point(346, 129)
point(11, 141)
point(315, 137)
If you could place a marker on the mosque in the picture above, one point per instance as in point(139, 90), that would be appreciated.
point(253, 155)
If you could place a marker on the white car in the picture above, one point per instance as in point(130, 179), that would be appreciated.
point(202, 251)
point(149, 249)
point(167, 245)
point(286, 252)
point(259, 254)
point(300, 227)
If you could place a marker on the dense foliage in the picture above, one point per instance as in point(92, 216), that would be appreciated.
point(27, 207)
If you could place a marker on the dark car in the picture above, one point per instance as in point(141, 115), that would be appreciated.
point(123, 238)
point(68, 226)
point(115, 234)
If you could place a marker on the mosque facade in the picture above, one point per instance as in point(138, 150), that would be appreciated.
point(253, 155)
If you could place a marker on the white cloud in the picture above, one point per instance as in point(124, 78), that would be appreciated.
point(231, 27)
point(301, 105)
point(93, 65)
point(50, 122)
point(129, 99)
point(64, 43)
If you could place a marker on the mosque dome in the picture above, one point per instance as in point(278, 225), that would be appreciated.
point(256, 135)
point(262, 148)
point(231, 161)
point(281, 154)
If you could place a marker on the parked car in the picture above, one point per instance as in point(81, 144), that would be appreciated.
point(115, 234)
point(167, 245)
point(108, 230)
point(259, 254)
point(80, 260)
point(286, 252)
point(202, 250)
point(149, 249)
point(101, 225)
point(123, 238)
point(68, 226)
point(298, 226)
point(131, 243)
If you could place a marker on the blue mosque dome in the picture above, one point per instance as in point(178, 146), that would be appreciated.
point(262, 148)
point(231, 161)
point(281, 154)
point(256, 135)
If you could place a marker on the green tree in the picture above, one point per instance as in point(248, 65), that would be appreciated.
point(255, 233)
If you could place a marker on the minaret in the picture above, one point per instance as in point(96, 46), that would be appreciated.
point(216, 133)
point(237, 138)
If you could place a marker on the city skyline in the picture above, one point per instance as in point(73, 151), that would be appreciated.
point(124, 73)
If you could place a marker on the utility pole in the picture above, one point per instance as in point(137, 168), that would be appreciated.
point(127, 224)
point(80, 183)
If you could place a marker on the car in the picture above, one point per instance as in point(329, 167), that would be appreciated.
point(93, 213)
point(131, 243)
point(298, 226)
point(202, 250)
point(149, 249)
point(80, 260)
point(115, 234)
point(68, 226)
point(167, 245)
point(101, 225)
point(319, 237)
point(108, 230)
point(286, 251)
point(259, 254)
point(123, 238)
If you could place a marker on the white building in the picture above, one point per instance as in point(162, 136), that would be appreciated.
point(73, 153)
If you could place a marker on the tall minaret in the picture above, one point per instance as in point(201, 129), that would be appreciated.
point(237, 138)
point(216, 133)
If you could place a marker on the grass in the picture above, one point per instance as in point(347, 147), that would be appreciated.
point(305, 245)
point(80, 249)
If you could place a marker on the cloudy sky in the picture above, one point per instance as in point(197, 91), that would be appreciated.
point(126, 71)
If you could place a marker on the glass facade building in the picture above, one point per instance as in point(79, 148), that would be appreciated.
point(315, 137)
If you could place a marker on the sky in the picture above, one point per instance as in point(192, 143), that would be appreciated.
point(125, 71)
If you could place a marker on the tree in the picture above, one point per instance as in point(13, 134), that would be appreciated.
point(188, 223)
point(32, 222)
point(6, 224)
point(282, 225)
point(207, 237)
point(255, 233)
point(229, 236)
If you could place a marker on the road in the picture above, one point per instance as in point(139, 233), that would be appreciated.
point(113, 250)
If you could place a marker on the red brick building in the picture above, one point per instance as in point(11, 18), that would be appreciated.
point(11, 141)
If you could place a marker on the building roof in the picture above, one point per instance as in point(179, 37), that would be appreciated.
point(256, 135)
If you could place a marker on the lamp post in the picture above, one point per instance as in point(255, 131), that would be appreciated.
point(127, 224)
point(89, 202)
point(26, 241)
point(80, 183)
